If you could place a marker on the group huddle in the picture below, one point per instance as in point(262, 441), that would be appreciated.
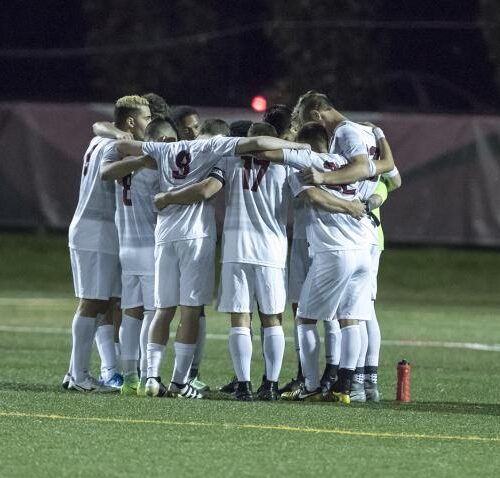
point(143, 238)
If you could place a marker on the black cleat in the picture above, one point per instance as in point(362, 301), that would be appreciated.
point(268, 391)
point(230, 387)
point(292, 385)
point(243, 392)
point(329, 377)
point(264, 380)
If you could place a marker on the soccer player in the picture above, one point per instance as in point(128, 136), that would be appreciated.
point(187, 120)
point(93, 243)
point(185, 241)
point(135, 220)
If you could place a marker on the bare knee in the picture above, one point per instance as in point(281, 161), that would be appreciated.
point(92, 307)
point(240, 320)
point(270, 320)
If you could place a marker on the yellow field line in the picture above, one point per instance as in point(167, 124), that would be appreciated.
point(281, 428)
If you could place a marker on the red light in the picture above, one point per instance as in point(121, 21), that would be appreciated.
point(259, 104)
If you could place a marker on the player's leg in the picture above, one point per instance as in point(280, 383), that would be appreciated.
point(166, 293)
point(352, 308)
point(333, 339)
point(358, 381)
point(270, 291)
point(236, 295)
point(196, 263)
point(147, 286)
point(194, 374)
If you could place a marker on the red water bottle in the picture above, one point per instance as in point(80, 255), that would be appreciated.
point(403, 393)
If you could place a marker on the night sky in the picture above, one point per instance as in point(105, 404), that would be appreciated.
point(460, 56)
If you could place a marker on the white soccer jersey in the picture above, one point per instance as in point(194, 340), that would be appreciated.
point(257, 196)
point(327, 231)
point(135, 217)
point(351, 139)
point(181, 164)
point(93, 225)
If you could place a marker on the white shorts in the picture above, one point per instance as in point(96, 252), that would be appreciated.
point(300, 261)
point(241, 283)
point(184, 272)
point(138, 291)
point(375, 254)
point(338, 284)
point(96, 275)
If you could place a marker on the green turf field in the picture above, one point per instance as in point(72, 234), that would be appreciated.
point(433, 305)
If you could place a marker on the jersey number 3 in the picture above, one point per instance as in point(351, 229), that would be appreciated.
point(247, 167)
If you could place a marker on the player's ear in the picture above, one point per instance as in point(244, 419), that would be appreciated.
point(130, 121)
point(315, 115)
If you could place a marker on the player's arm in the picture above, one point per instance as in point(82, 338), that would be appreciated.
point(106, 129)
point(129, 148)
point(392, 179)
point(194, 193)
point(265, 143)
point(111, 170)
point(318, 198)
point(276, 156)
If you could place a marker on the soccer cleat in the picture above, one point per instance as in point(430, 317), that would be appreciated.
point(268, 391)
point(291, 386)
point(340, 397)
point(195, 382)
point(66, 381)
point(303, 395)
point(262, 383)
point(116, 381)
point(183, 391)
point(243, 392)
point(141, 387)
point(154, 387)
point(130, 385)
point(230, 387)
point(357, 392)
point(372, 393)
point(328, 378)
point(90, 384)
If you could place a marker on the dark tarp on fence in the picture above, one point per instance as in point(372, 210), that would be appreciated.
point(450, 167)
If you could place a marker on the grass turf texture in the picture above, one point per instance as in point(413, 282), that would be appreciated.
point(452, 427)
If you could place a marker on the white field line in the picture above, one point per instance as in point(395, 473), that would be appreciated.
point(20, 329)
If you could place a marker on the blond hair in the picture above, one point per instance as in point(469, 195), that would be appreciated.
point(311, 100)
point(127, 106)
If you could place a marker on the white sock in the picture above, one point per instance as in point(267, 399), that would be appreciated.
point(274, 349)
point(83, 330)
point(333, 339)
point(118, 354)
point(351, 344)
point(146, 323)
point(130, 332)
point(154, 353)
point(309, 354)
point(183, 359)
point(373, 330)
point(200, 343)
point(240, 347)
point(363, 335)
point(104, 339)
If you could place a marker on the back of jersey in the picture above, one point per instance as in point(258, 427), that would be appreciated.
point(136, 220)
point(182, 164)
point(257, 196)
point(351, 139)
point(93, 226)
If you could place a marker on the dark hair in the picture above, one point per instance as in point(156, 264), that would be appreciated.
point(280, 116)
point(313, 133)
point(214, 127)
point(157, 105)
point(180, 112)
point(262, 129)
point(157, 124)
point(239, 128)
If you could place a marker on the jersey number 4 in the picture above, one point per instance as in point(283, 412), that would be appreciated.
point(248, 162)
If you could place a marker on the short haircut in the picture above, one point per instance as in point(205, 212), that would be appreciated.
point(312, 100)
point(262, 129)
point(214, 126)
point(128, 106)
point(280, 116)
point(313, 133)
point(154, 128)
point(239, 128)
point(158, 106)
point(180, 112)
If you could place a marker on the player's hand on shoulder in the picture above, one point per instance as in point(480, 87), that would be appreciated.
point(124, 135)
point(357, 209)
point(311, 176)
point(149, 163)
